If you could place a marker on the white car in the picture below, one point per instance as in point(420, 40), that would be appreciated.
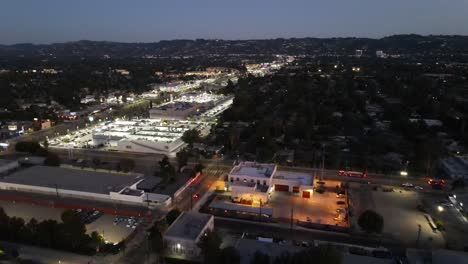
point(418, 187)
point(407, 184)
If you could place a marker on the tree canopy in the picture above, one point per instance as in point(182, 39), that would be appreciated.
point(371, 222)
point(210, 244)
point(191, 136)
point(172, 215)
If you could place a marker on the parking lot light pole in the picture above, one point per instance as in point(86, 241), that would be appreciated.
point(191, 198)
point(419, 235)
point(292, 220)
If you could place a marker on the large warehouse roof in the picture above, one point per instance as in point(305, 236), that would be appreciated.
point(71, 179)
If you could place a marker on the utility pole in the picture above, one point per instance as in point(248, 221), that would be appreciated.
point(191, 198)
point(260, 210)
point(147, 200)
point(323, 163)
point(292, 220)
point(419, 235)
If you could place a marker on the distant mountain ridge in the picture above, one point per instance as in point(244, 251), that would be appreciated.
point(433, 44)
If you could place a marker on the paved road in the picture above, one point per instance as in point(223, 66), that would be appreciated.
point(200, 187)
point(147, 163)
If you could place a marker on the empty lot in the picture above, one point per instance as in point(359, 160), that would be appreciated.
point(400, 213)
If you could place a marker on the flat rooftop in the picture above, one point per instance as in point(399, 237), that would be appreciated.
point(71, 179)
point(303, 177)
point(188, 225)
point(131, 192)
point(253, 169)
point(148, 183)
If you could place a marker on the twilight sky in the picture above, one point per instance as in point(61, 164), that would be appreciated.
point(46, 21)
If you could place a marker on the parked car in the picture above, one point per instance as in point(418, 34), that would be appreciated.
point(341, 210)
point(407, 184)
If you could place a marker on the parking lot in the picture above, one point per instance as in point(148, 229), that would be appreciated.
point(106, 225)
point(76, 139)
point(321, 208)
point(399, 209)
point(455, 225)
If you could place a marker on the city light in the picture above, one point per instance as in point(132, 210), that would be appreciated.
point(440, 208)
point(403, 173)
point(178, 246)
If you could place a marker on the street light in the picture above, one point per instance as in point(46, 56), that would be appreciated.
point(403, 173)
point(440, 208)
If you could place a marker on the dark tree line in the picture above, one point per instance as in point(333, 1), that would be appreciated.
point(69, 235)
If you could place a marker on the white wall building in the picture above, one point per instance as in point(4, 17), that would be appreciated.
point(254, 181)
point(183, 235)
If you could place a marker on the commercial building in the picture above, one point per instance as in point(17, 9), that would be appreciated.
point(250, 192)
point(253, 172)
point(173, 111)
point(380, 54)
point(84, 184)
point(196, 97)
point(454, 167)
point(8, 165)
point(252, 182)
point(183, 235)
point(295, 182)
point(143, 135)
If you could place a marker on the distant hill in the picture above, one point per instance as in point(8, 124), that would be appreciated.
point(402, 44)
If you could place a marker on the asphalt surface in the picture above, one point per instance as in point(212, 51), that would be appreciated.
point(186, 201)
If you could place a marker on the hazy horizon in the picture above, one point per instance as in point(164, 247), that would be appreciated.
point(225, 39)
point(55, 21)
